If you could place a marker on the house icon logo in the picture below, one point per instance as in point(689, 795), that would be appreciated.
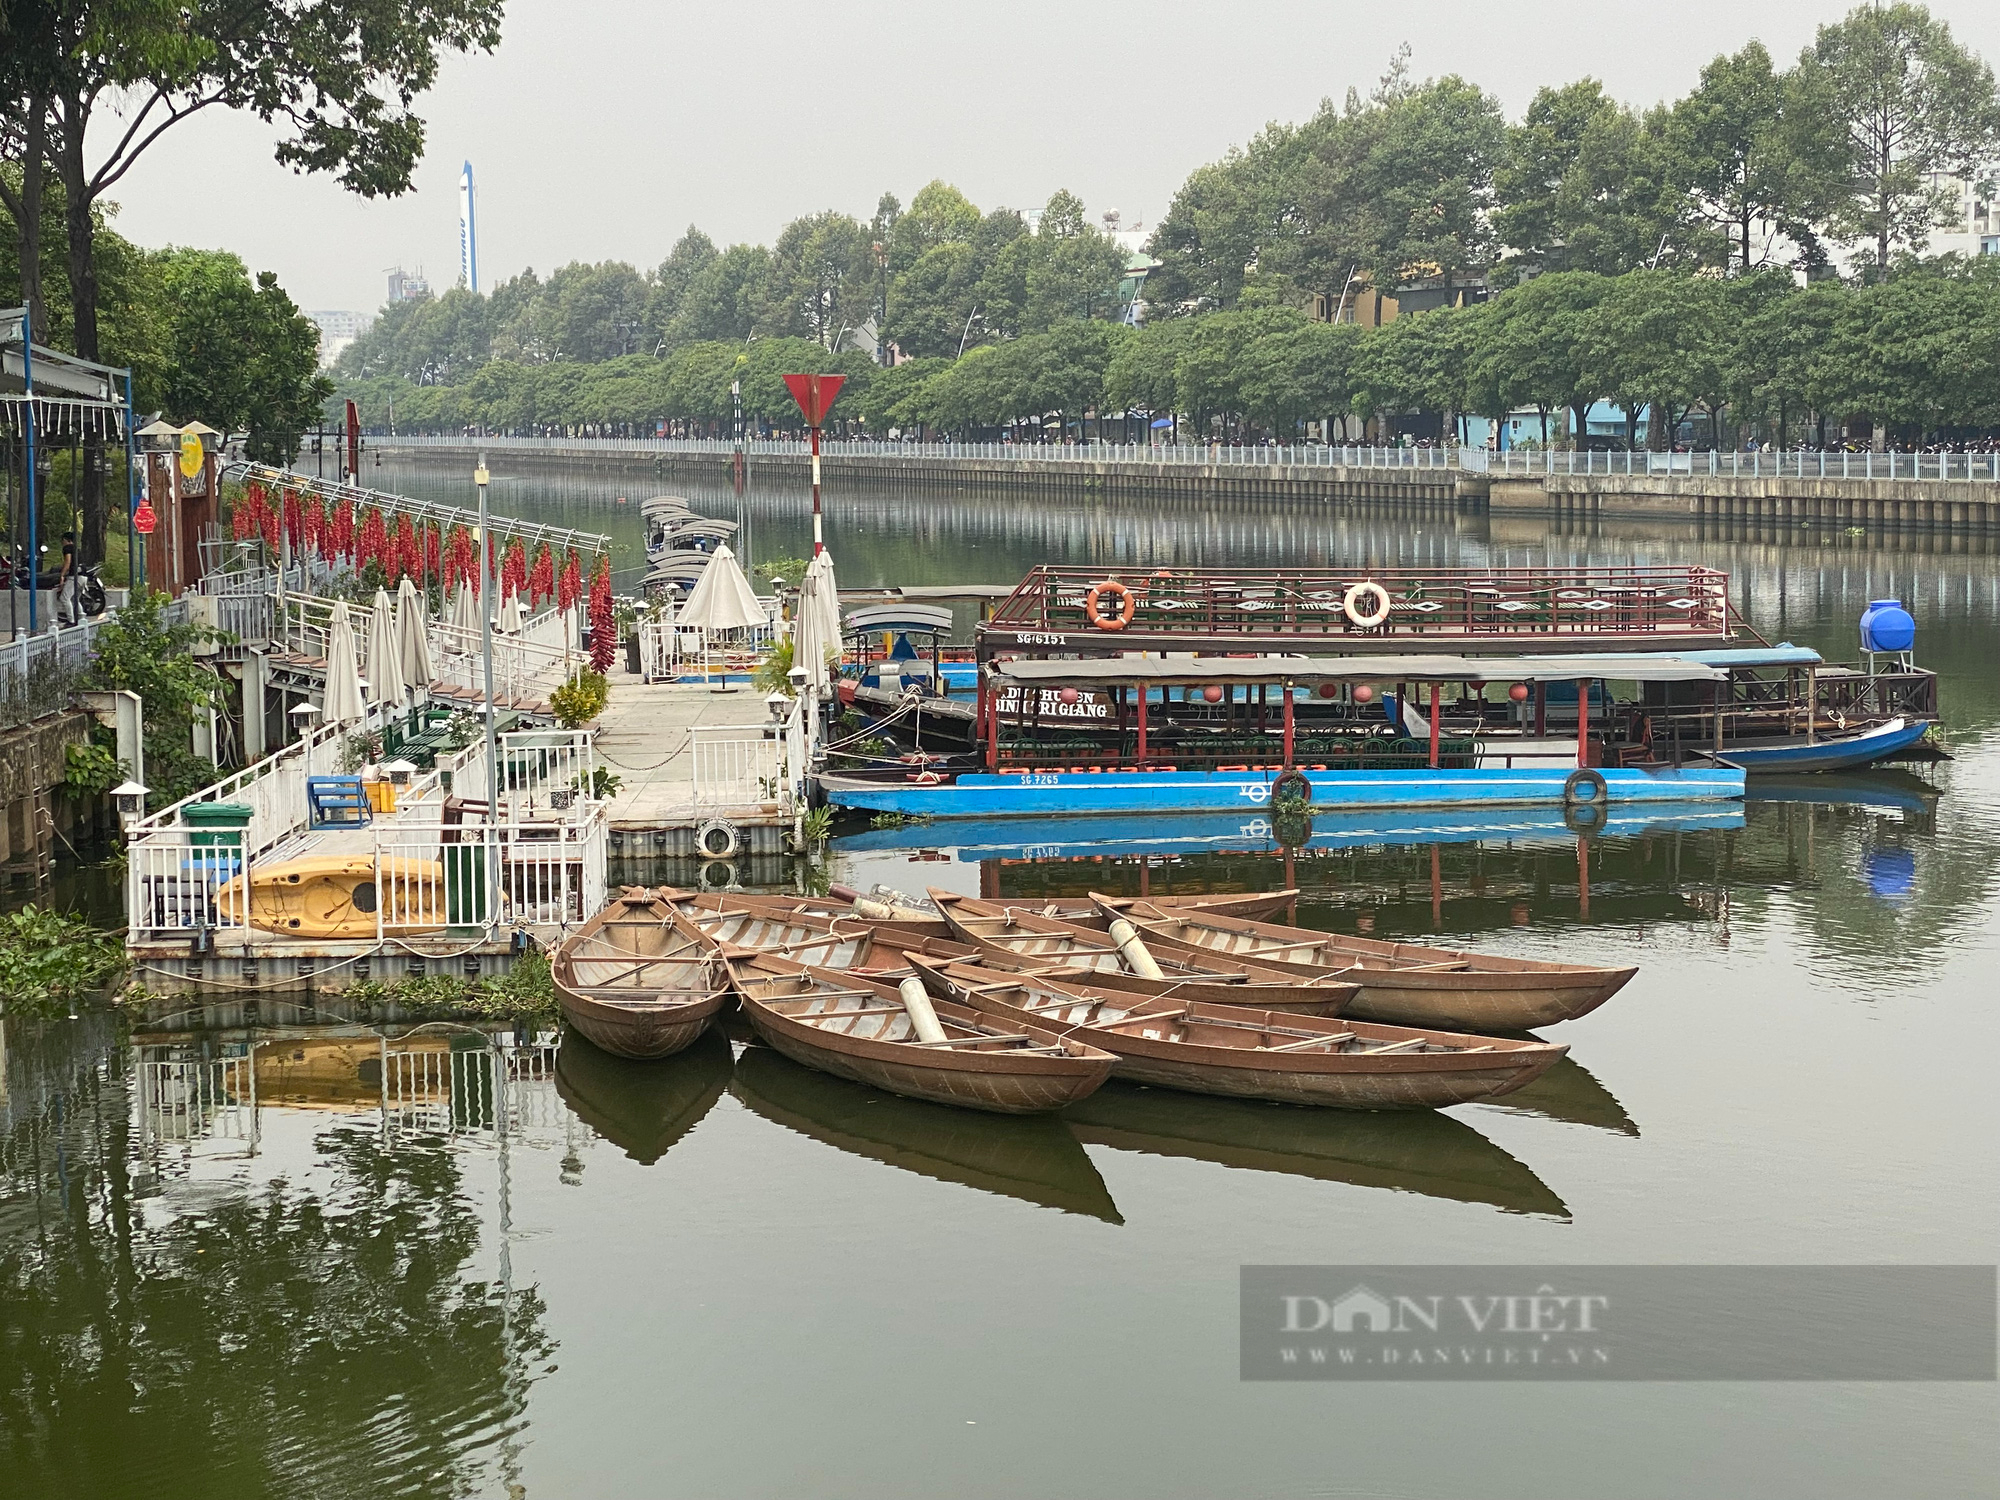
point(1360, 1310)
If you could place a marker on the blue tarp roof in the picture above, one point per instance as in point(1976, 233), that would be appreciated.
point(1784, 654)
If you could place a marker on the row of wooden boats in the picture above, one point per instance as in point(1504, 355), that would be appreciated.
point(1019, 1009)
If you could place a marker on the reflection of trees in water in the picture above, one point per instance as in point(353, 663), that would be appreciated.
point(282, 1340)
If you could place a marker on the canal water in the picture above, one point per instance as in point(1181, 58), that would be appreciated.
point(726, 1275)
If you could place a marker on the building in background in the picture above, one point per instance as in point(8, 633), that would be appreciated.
point(337, 330)
point(468, 232)
point(408, 286)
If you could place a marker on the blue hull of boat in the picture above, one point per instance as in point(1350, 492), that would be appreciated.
point(978, 839)
point(1832, 755)
point(1041, 794)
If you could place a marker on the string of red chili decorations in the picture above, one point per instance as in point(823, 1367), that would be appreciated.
point(422, 552)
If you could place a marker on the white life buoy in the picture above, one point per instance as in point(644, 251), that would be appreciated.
point(716, 839)
point(1351, 604)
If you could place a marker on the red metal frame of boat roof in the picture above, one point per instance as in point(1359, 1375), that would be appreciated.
point(1561, 609)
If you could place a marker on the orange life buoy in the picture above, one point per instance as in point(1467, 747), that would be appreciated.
point(1125, 609)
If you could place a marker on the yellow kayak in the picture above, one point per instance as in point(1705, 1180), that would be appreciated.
point(338, 896)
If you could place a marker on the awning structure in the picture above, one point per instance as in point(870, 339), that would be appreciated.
point(925, 619)
point(1425, 667)
point(1781, 655)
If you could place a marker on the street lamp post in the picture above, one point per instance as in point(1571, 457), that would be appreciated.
point(486, 602)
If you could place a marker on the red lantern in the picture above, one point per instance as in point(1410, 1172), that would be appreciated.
point(1211, 694)
point(1329, 690)
point(1518, 692)
point(1363, 693)
point(1069, 695)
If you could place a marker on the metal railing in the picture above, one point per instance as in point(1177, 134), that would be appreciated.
point(427, 877)
point(736, 765)
point(1051, 606)
point(1262, 455)
point(1964, 467)
point(1762, 464)
point(40, 673)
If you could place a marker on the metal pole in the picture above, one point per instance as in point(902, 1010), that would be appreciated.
point(135, 562)
point(819, 543)
point(486, 560)
point(28, 472)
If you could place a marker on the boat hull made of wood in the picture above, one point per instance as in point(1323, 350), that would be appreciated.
point(1043, 794)
point(1020, 939)
point(1401, 983)
point(1249, 1054)
point(852, 1028)
point(1259, 1053)
point(638, 979)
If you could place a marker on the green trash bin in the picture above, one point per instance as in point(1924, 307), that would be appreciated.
point(465, 893)
point(217, 824)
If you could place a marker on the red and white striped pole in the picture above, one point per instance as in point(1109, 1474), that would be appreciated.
point(819, 541)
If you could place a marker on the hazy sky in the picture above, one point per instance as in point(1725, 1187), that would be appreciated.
point(601, 128)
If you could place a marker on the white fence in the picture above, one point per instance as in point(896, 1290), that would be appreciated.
point(1318, 455)
point(407, 879)
point(735, 764)
point(1982, 467)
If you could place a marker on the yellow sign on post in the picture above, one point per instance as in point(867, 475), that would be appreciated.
point(191, 454)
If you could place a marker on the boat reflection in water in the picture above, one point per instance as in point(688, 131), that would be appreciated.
point(1426, 1152)
point(642, 1108)
point(1570, 1092)
point(1031, 1157)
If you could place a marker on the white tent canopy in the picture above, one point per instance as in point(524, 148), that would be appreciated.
point(722, 598)
point(413, 633)
point(385, 653)
point(343, 675)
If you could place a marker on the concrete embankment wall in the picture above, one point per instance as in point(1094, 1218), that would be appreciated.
point(1111, 480)
point(1873, 503)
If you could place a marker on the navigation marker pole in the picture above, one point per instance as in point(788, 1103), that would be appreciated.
point(815, 395)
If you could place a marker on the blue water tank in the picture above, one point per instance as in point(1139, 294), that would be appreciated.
point(1887, 626)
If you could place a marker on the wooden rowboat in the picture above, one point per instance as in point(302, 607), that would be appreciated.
point(1404, 983)
point(1019, 938)
point(1254, 1054)
point(855, 1028)
point(832, 941)
point(639, 979)
point(918, 924)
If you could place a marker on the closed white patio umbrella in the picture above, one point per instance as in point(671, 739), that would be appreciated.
point(464, 612)
point(343, 672)
point(413, 631)
point(385, 653)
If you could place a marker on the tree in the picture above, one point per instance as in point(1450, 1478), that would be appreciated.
point(1656, 340)
point(820, 281)
point(1749, 151)
point(1530, 344)
point(1909, 103)
point(722, 298)
point(692, 254)
point(1241, 211)
point(337, 79)
point(1074, 268)
point(1580, 188)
